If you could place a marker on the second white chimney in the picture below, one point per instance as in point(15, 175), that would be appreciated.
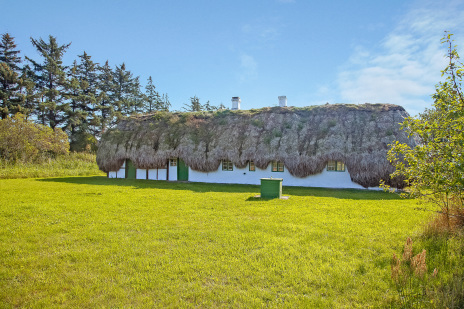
point(235, 103)
point(283, 101)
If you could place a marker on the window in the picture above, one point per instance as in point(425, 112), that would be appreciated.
point(227, 165)
point(251, 167)
point(172, 162)
point(277, 166)
point(335, 166)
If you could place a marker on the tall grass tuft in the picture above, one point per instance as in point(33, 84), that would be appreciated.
point(447, 223)
point(418, 288)
point(409, 273)
point(444, 237)
point(73, 164)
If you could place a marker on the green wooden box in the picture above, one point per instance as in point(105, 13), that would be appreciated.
point(271, 187)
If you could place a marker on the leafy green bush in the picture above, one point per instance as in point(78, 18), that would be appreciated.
point(434, 168)
point(24, 141)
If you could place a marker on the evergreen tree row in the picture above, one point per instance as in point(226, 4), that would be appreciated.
point(84, 99)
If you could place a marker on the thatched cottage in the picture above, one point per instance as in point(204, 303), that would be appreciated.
point(333, 145)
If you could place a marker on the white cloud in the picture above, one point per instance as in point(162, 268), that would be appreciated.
point(408, 67)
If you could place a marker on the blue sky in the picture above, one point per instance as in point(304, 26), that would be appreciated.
point(311, 51)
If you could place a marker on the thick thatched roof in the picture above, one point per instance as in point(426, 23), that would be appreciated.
point(303, 138)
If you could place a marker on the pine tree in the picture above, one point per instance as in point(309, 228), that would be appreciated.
point(137, 98)
point(88, 81)
point(105, 95)
point(165, 102)
point(27, 90)
point(76, 114)
point(8, 52)
point(194, 106)
point(50, 79)
point(10, 84)
point(153, 99)
point(123, 93)
point(83, 123)
point(208, 107)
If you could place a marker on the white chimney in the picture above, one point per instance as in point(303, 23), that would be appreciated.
point(235, 103)
point(283, 101)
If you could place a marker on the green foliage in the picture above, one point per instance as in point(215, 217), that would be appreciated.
point(125, 92)
point(105, 89)
point(8, 52)
point(24, 141)
point(258, 123)
point(11, 83)
point(331, 123)
point(153, 98)
point(84, 98)
point(434, 169)
point(83, 141)
point(433, 282)
point(267, 139)
point(196, 106)
point(276, 132)
point(83, 117)
point(98, 242)
point(50, 76)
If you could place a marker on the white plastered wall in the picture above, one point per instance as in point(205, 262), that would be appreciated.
point(121, 173)
point(153, 174)
point(326, 179)
point(141, 173)
point(157, 174)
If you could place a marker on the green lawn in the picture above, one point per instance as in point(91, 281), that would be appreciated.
point(98, 242)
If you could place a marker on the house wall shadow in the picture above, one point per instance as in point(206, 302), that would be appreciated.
point(354, 194)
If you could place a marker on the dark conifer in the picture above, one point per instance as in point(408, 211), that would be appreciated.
point(124, 92)
point(165, 102)
point(50, 77)
point(194, 106)
point(153, 99)
point(8, 52)
point(105, 96)
point(11, 99)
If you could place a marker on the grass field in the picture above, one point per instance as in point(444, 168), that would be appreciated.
point(97, 242)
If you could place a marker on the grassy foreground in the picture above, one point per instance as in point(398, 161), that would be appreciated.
point(97, 242)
